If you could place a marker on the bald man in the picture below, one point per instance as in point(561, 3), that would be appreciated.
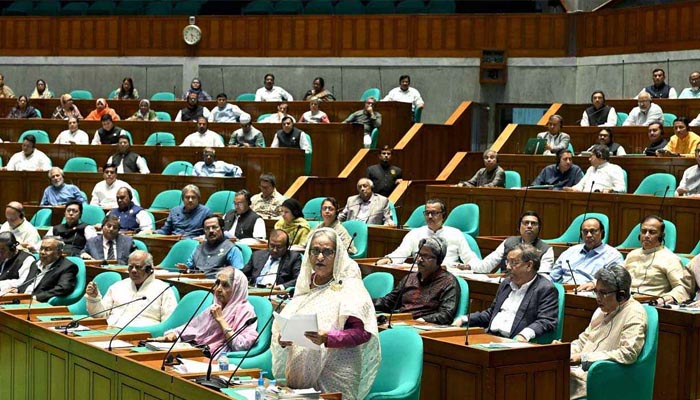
point(367, 206)
point(25, 233)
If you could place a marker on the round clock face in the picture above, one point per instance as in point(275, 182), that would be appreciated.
point(192, 34)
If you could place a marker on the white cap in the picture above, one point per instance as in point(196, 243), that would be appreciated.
point(245, 118)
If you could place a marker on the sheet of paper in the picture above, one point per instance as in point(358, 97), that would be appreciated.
point(293, 329)
point(198, 367)
point(116, 344)
point(165, 346)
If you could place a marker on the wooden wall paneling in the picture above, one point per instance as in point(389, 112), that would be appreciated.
point(101, 36)
point(146, 36)
point(374, 36)
point(50, 365)
point(14, 356)
point(90, 380)
point(608, 32)
point(663, 27)
point(28, 36)
point(302, 37)
point(233, 37)
point(444, 36)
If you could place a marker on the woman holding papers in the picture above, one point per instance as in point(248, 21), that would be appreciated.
point(343, 355)
point(229, 312)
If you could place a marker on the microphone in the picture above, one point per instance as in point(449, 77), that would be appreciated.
point(466, 334)
point(572, 277)
point(403, 285)
point(194, 314)
point(31, 298)
point(109, 346)
point(585, 210)
point(663, 198)
point(218, 384)
point(354, 235)
point(653, 301)
point(157, 140)
point(291, 241)
point(76, 322)
point(223, 86)
point(522, 205)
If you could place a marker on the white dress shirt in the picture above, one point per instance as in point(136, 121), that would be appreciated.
point(140, 163)
point(611, 120)
point(24, 233)
point(106, 196)
point(206, 139)
point(409, 96)
point(606, 176)
point(268, 275)
point(502, 322)
point(487, 265)
point(259, 230)
point(274, 94)
point(77, 137)
point(458, 250)
point(230, 113)
point(37, 161)
point(637, 117)
point(23, 273)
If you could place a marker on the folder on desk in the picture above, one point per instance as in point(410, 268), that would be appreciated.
point(292, 329)
point(535, 146)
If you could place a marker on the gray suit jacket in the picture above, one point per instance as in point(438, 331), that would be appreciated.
point(124, 247)
point(379, 211)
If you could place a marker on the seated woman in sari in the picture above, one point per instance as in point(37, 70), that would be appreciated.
point(348, 356)
point(329, 213)
point(229, 312)
point(293, 222)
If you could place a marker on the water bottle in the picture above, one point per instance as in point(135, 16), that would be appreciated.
point(260, 389)
point(223, 363)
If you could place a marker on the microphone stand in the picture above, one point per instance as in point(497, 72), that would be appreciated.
point(466, 334)
point(585, 211)
point(76, 322)
point(398, 298)
point(572, 277)
point(109, 346)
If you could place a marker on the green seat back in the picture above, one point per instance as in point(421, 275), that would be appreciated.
point(656, 184)
point(696, 249)
point(669, 118)
point(379, 7)
point(394, 216)
point(263, 310)
point(359, 228)
point(80, 164)
point(79, 290)
point(513, 179)
point(547, 338)
point(80, 94)
point(163, 116)
point(410, 7)
point(463, 297)
point(287, 7)
point(378, 284)
point(471, 241)
point(371, 92)
point(417, 114)
point(375, 138)
point(166, 200)
point(104, 280)
point(178, 168)
point(246, 252)
point(91, 215)
point(164, 96)
point(442, 7)
point(112, 94)
point(465, 217)
point(573, 232)
point(262, 117)
point(258, 7)
point(41, 136)
point(179, 253)
point(621, 117)
point(221, 201)
point(416, 220)
point(42, 218)
point(160, 139)
point(194, 303)
point(401, 368)
point(312, 209)
point(246, 97)
point(319, 7)
point(632, 240)
point(47, 7)
point(140, 245)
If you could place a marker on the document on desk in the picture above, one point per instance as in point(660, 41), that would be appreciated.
point(116, 344)
point(292, 329)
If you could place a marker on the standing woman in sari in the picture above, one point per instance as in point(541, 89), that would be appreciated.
point(329, 286)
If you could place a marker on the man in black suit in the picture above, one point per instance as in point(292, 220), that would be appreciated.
point(51, 275)
point(110, 245)
point(526, 304)
point(277, 265)
point(384, 175)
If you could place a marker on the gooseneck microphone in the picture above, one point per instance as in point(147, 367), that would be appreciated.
point(403, 284)
point(661, 206)
point(466, 334)
point(31, 298)
point(585, 210)
point(109, 346)
point(76, 322)
point(354, 235)
point(572, 277)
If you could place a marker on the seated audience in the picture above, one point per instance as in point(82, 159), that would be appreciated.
point(102, 109)
point(242, 222)
point(458, 250)
point(267, 203)
point(73, 233)
point(126, 91)
point(683, 142)
point(319, 91)
point(368, 117)
point(277, 117)
point(692, 92)
point(645, 113)
point(585, 259)
point(73, 135)
point(41, 90)
point(131, 217)
point(210, 166)
point(314, 115)
point(228, 314)
point(204, 137)
point(599, 114)
point(606, 137)
point(196, 89)
point(384, 175)
point(51, 275)
point(22, 230)
point(526, 304)
point(215, 253)
point(141, 282)
point(105, 192)
point(5, 91)
point(60, 192)
point(110, 245)
point(291, 136)
point(126, 160)
point(224, 111)
point(14, 262)
point(616, 331)
point(29, 159)
point(404, 93)
point(247, 135)
point(556, 139)
point(367, 206)
point(277, 266)
point(431, 294)
point(293, 222)
point(144, 113)
point(530, 227)
point(109, 133)
point(193, 110)
point(690, 182)
point(602, 175)
point(187, 218)
point(659, 89)
point(564, 173)
point(270, 92)
point(329, 215)
point(656, 139)
point(492, 175)
point(66, 109)
point(23, 109)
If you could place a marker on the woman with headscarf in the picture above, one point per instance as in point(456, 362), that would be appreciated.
point(66, 109)
point(102, 108)
point(196, 87)
point(318, 91)
point(23, 109)
point(606, 137)
point(293, 222)
point(126, 91)
point(41, 91)
point(229, 312)
point(329, 213)
point(329, 286)
point(144, 112)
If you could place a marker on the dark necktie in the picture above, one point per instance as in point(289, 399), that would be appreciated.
point(110, 250)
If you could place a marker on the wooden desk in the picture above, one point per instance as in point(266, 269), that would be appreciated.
point(382, 240)
point(680, 107)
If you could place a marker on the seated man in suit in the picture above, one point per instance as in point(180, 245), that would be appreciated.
point(73, 233)
point(131, 216)
point(141, 282)
point(14, 262)
point(526, 303)
point(51, 275)
point(110, 245)
point(367, 206)
point(278, 265)
point(215, 253)
point(242, 222)
point(431, 294)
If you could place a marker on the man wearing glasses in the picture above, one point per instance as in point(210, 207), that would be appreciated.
point(645, 113)
point(529, 228)
point(431, 294)
point(367, 206)
point(51, 275)
point(368, 117)
point(690, 183)
point(140, 283)
point(215, 253)
point(276, 266)
point(458, 251)
point(587, 258)
point(492, 175)
point(73, 232)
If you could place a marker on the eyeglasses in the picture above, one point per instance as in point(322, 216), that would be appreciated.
point(326, 252)
point(72, 211)
point(328, 208)
point(591, 231)
point(426, 257)
point(601, 294)
point(513, 263)
point(529, 223)
point(431, 213)
point(275, 247)
point(136, 267)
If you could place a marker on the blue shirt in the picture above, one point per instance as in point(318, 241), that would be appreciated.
point(584, 263)
point(55, 196)
point(217, 168)
point(188, 224)
point(551, 175)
